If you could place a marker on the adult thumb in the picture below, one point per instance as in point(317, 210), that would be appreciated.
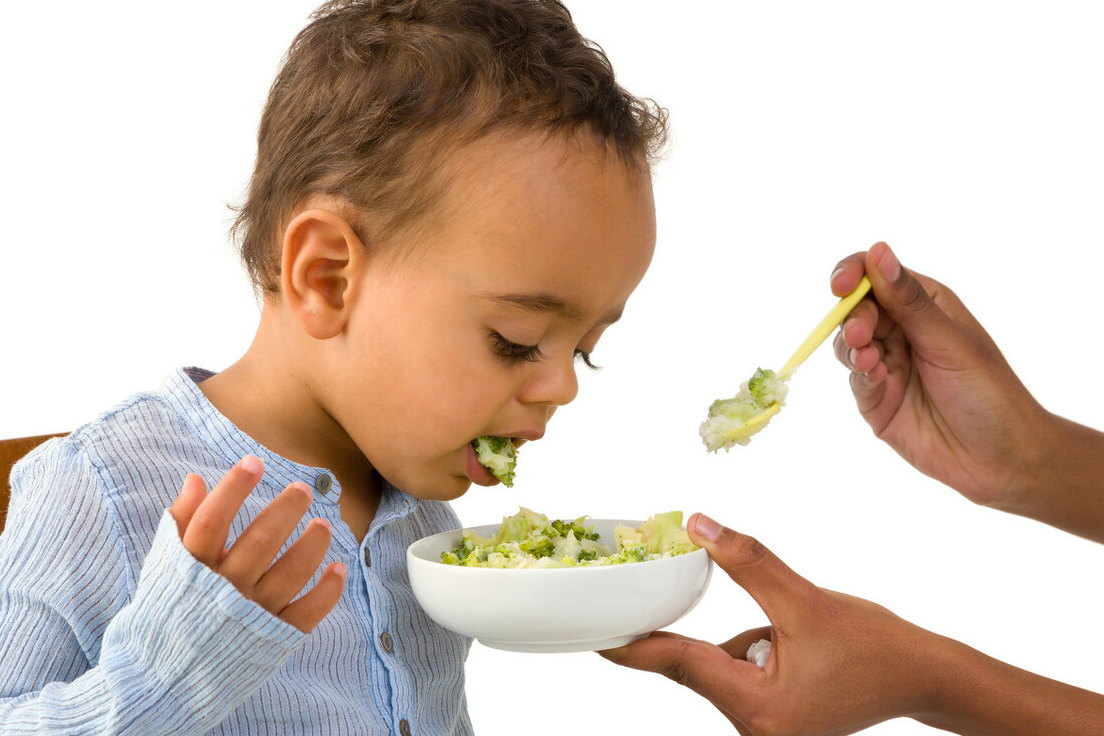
point(902, 296)
point(768, 580)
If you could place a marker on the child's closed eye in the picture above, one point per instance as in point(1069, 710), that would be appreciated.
point(514, 352)
point(584, 357)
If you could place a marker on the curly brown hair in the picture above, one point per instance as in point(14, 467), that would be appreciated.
point(374, 94)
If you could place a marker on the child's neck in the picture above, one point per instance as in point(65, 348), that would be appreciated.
point(277, 410)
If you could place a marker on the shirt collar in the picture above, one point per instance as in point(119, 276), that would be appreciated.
point(182, 390)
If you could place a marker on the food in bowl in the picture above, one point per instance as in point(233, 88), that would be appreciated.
point(574, 608)
point(531, 540)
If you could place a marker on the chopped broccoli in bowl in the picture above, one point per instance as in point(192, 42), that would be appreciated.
point(531, 540)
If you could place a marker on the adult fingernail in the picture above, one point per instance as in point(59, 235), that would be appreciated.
point(889, 266)
point(251, 464)
point(706, 528)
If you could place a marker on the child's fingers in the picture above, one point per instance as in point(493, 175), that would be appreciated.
point(307, 611)
point(191, 496)
point(253, 552)
point(205, 536)
point(294, 569)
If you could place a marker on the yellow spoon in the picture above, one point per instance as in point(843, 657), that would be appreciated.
point(722, 432)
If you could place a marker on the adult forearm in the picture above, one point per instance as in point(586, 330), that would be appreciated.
point(1062, 484)
point(981, 696)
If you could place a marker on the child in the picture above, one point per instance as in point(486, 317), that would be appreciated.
point(451, 202)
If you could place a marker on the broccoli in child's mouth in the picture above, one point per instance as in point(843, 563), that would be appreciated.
point(498, 455)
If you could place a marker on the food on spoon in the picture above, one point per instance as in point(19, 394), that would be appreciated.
point(498, 455)
point(727, 423)
point(531, 540)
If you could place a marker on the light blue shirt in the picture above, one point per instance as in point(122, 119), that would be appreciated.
point(109, 626)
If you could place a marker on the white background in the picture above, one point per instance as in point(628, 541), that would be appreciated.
point(966, 134)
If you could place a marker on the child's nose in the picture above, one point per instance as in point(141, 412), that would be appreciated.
point(553, 383)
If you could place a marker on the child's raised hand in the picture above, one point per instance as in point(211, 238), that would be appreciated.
point(931, 382)
point(203, 520)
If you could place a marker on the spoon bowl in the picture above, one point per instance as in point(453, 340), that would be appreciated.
point(733, 422)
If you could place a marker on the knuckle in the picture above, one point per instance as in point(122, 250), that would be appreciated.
point(263, 538)
point(914, 297)
point(675, 669)
point(203, 523)
point(748, 550)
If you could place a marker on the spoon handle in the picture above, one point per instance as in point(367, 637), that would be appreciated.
point(830, 322)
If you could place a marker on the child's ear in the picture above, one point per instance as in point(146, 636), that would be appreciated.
point(320, 251)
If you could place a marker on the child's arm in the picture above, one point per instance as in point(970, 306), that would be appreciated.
point(931, 382)
point(188, 647)
point(840, 664)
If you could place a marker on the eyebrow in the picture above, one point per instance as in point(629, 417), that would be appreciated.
point(544, 303)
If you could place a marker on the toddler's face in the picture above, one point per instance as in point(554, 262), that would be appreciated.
point(532, 254)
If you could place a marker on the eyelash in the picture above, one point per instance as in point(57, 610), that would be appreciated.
point(514, 352)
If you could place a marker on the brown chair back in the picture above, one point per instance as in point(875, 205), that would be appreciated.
point(11, 451)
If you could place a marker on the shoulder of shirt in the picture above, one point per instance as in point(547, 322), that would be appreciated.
point(78, 447)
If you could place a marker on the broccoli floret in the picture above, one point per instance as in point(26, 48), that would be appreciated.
point(498, 455)
point(632, 553)
point(587, 555)
point(764, 386)
point(450, 558)
point(458, 555)
point(542, 547)
point(562, 528)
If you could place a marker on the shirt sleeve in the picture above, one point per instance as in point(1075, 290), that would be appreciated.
point(80, 655)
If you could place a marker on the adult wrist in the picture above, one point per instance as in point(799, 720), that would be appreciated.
point(1059, 478)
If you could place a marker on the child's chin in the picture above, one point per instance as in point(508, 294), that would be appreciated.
point(452, 488)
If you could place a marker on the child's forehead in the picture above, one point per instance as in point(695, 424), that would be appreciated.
point(519, 186)
point(545, 216)
point(516, 165)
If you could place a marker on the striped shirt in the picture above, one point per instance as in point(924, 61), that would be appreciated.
point(109, 626)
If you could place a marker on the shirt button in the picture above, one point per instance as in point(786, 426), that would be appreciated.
point(404, 727)
point(323, 483)
point(367, 557)
point(387, 642)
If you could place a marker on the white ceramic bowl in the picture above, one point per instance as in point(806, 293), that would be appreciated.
point(575, 609)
